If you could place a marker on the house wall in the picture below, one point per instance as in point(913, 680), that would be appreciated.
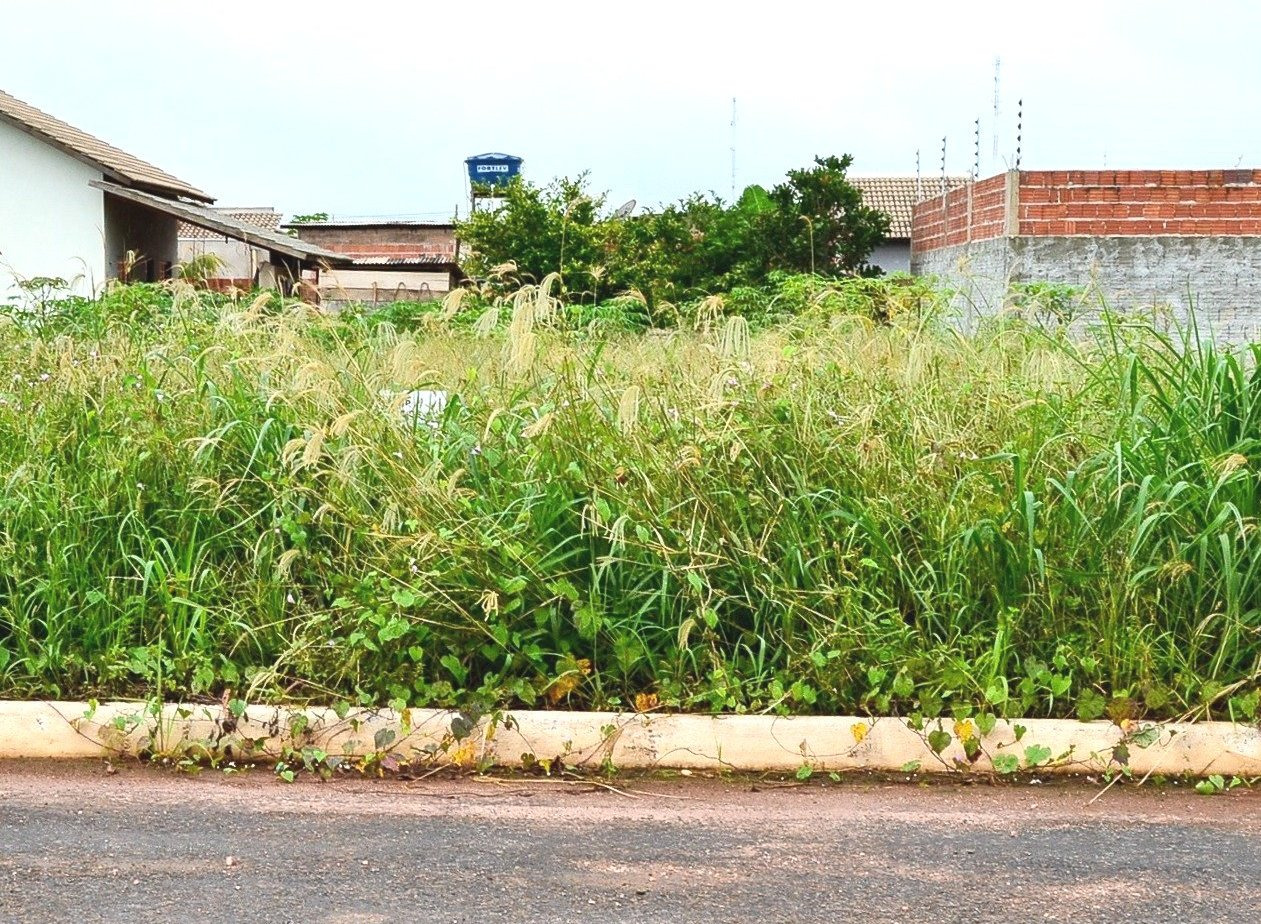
point(240, 260)
point(893, 256)
point(51, 220)
point(1186, 241)
point(145, 233)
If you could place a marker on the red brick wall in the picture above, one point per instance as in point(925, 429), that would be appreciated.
point(1101, 203)
point(384, 240)
point(973, 212)
point(1094, 203)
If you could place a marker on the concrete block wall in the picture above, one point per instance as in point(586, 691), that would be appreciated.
point(1186, 241)
point(980, 273)
point(1215, 277)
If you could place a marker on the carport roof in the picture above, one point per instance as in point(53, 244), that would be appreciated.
point(209, 218)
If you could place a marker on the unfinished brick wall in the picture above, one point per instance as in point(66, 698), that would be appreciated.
point(1091, 203)
point(1105, 203)
point(972, 212)
point(384, 239)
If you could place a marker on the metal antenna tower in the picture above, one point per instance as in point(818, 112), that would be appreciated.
point(997, 112)
point(733, 149)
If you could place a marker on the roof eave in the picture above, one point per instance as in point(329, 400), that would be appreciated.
point(183, 189)
point(185, 211)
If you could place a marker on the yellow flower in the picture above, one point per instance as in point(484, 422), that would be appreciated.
point(645, 702)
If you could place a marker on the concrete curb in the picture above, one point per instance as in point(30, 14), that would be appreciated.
point(64, 730)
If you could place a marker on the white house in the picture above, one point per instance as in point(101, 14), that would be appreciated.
point(76, 209)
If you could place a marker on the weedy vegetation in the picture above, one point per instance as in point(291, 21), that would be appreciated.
point(808, 497)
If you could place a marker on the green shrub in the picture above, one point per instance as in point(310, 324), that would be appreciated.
point(826, 515)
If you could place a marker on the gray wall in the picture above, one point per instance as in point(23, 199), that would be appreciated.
point(893, 256)
point(979, 273)
point(1218, 277)
point(240, 260)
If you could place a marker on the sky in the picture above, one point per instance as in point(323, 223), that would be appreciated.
point(369, 108)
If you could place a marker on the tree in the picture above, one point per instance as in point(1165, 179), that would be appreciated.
point(542, 230)
point(816, 222)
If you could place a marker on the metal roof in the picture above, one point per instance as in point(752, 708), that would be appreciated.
point(371, 223)
point(214, 220)
point(896, 196)
point(115, 164)
point(420, 259)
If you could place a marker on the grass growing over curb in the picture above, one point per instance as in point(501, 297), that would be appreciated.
point(826, 515)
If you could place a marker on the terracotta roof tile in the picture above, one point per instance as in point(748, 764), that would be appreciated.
point(115, 164)
point(897, 195)
point(266, 219)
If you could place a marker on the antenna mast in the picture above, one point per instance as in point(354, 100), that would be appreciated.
point(733, 149)
point(919, 180)
point(997, 112)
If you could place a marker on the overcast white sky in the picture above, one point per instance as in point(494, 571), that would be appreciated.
point(369, 108)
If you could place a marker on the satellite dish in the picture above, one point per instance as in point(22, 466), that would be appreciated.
point(625, 210)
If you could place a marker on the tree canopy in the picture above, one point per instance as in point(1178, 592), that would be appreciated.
point(813, 222)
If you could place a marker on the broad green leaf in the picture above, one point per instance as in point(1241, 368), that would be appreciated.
point(1006, 763)
point(394, 629)
point(996, 692)
point(1036, 755)
point(1090, 705)
point(383, 738)
point(939, 739)
point(404, 597)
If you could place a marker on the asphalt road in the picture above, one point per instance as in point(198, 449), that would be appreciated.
point(78, 844)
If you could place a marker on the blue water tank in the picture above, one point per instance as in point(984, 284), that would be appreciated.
point(492, 169)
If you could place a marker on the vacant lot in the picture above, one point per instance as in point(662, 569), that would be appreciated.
point(825, 513)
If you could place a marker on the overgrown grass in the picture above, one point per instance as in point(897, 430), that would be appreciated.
point(824, 515)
